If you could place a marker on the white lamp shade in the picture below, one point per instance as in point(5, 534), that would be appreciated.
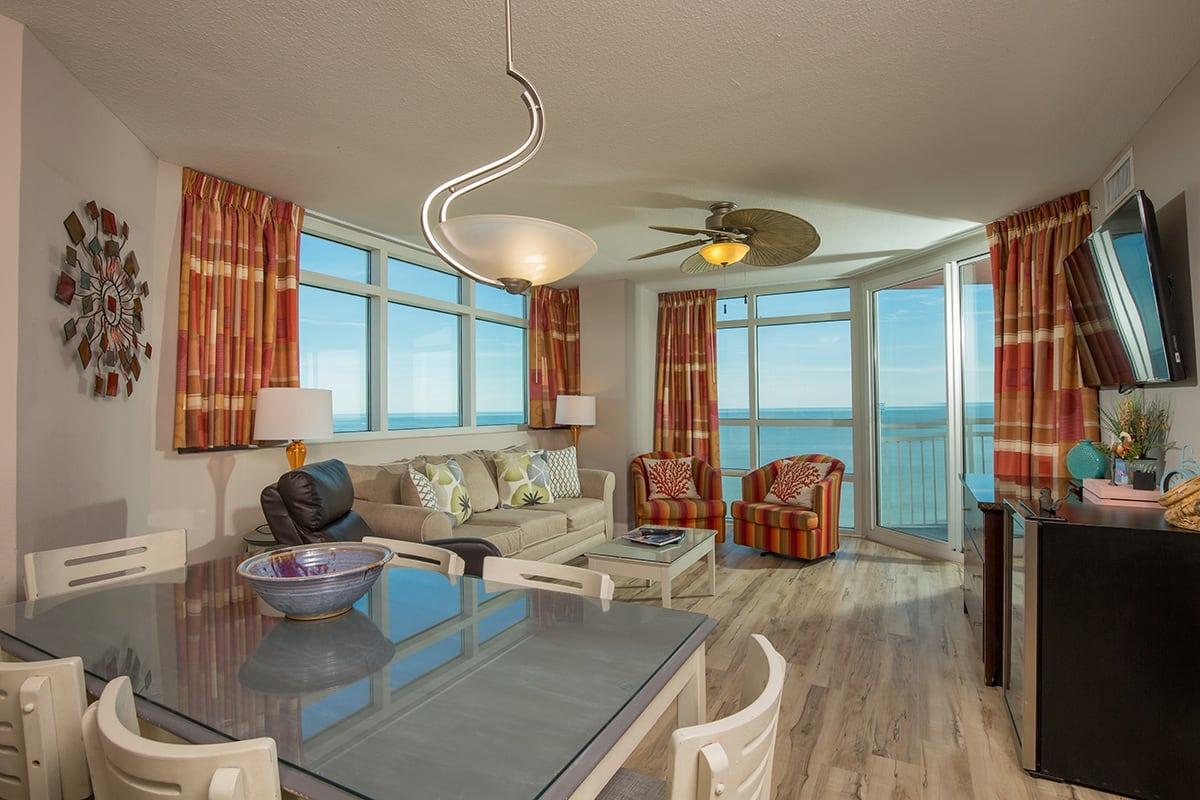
point(575, 409)
point(505, 246)
point(281, 413)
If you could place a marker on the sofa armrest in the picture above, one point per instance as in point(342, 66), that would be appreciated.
point(599, 484)
point(409, 523)
point(827, 500)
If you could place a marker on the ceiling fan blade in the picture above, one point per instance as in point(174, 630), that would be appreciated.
point(696, 231)
point(671, 249)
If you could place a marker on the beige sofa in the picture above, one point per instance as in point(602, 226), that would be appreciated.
point(385, 497)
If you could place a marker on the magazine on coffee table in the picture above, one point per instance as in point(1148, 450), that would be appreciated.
point(657, 537)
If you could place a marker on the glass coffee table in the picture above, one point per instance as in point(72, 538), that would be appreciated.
point(626, 559)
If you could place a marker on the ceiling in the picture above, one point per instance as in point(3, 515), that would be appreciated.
point(890, 126)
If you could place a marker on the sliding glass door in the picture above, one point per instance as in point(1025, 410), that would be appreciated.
point(911, 409)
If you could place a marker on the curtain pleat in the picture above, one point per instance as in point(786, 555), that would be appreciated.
point(553, 350)
point(685, 386)
point(239, 326)
point(1042, 407)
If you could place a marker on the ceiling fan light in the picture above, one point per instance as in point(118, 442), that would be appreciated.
point(514, 250)
point(724, 253)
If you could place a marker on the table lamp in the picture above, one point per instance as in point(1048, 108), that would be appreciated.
point(575, 410)
point(295, 415)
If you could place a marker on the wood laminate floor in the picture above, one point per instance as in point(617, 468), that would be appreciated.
point(883, 696)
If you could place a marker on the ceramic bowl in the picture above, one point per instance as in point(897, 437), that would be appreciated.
point(315, 581)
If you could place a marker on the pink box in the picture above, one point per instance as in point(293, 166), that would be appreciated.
point(1101, 492)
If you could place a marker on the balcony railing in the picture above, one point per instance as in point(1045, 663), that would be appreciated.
point(912, 471)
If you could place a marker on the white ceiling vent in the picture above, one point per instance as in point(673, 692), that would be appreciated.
point(1118, 182)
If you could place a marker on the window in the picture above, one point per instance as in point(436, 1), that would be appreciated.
point(334, 342)
point(415, 279)
point(500, 374)
point(334, 258)
point(405, 345)
point(978, 355)
point(784, 383)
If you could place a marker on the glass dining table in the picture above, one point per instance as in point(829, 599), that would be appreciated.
point(431, 687)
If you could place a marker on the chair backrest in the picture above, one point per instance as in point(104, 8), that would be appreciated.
point(707, 479)
point(731, 758)
point(314, 504)
point(41, 740)
point(72, 569)
point(126, 766)
point(539, 574)
point(420, 556)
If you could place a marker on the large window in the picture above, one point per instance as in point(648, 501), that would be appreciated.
point(406, 345)
point(784, 382)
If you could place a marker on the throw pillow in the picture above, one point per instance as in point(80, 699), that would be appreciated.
point(794, 484)
point(452, 495)
point(670, 478)
point(564, 472)
point(522, 478)
point(425, 490)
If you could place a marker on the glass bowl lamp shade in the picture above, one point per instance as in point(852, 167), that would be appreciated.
point(724, 253)
point(515, 251)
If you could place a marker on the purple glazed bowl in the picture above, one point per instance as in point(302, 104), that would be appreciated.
point(315, 581)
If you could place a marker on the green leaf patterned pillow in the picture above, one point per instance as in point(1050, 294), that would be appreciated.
point(451, 490)
point(522, 478)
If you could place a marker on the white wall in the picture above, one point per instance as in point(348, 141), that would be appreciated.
point(91, 468)
point(11, 36)
point(1166, 164)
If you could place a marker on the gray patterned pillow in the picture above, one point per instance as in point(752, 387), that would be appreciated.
point(564, 472)
point(424, 489)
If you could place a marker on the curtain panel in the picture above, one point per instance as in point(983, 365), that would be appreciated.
point(1042, 407)
point(238, 308)
point(685, 384)
point(553, 350)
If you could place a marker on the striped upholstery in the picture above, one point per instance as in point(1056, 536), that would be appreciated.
point(790, 530)
point(707, 512)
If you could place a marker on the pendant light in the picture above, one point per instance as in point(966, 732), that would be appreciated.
point(504, 250)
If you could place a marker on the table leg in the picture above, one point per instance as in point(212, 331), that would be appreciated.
point(712, 571)
point(693, 699)
point(666, 588)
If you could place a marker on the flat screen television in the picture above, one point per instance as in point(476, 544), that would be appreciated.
point(1122, 302)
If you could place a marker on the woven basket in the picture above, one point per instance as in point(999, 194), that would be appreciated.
point(1183, 505)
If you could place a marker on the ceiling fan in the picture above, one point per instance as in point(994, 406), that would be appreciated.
point(760, 237)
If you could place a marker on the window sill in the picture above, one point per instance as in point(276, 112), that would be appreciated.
point(423, 433)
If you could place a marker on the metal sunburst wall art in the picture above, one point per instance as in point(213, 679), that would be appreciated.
point(99, 283)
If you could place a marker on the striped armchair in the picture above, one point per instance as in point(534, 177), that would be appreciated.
point(707, 512)
point(789, 530)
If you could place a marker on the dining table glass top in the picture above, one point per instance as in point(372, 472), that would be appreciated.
point(430, 687)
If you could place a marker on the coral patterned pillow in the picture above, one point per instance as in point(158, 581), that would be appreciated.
point(794, 484)
point(670, 478)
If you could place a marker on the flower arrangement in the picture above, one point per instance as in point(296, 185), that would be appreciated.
point(1140, 428)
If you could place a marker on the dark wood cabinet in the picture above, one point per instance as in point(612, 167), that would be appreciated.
point(983, 572)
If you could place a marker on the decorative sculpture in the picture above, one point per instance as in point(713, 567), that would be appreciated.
point(99, 281)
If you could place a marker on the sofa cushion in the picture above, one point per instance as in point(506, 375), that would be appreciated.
point(776, 516)
point(506, 538)
point(522, 478)
point(479, 481)
point(579, 511)
point(379, 484)
point(684, 508)
point(450, 487)
point(535, 526)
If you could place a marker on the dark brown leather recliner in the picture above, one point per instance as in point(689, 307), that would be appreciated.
point(315, 504)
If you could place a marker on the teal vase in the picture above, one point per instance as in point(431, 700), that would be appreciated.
point(1086, 461)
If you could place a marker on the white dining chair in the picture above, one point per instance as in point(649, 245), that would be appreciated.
point(126, 766)
point(730, 758)
point(86, 566)
point(421, 556)
point(41, 741)
point(551, 577)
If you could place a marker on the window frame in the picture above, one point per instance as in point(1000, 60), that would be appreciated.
point(752, 323)
point(378, 295)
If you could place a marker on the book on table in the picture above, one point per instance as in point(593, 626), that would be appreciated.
point(657, 537)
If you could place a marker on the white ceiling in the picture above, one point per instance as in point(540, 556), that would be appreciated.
point(888, 125)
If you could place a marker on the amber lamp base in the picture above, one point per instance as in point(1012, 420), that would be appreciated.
point(296, 453)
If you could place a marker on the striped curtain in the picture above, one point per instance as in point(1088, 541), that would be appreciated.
point(553, 350)
point(1042, 408)
point(685, 384)
point(238, 308)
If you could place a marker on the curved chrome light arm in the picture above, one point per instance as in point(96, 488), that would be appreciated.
point(481, 176)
